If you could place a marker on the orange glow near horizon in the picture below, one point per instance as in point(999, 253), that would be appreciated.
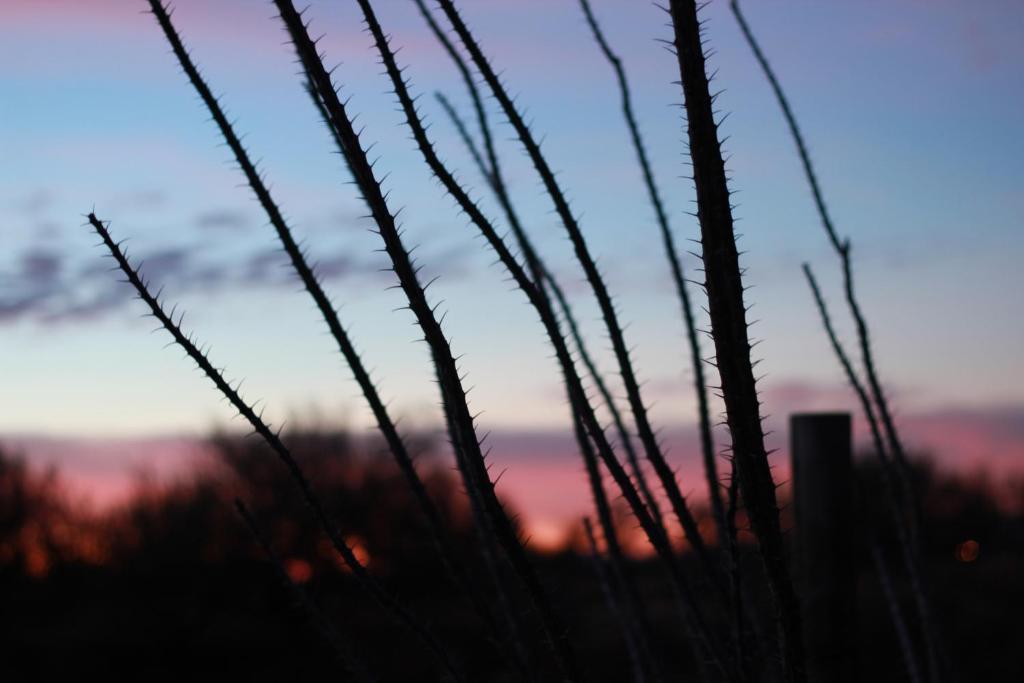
point(968, 551)
point(298, 570)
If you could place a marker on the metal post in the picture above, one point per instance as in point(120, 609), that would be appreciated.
point(820, 448)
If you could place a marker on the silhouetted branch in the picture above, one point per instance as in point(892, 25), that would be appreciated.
point(740, 617)
point(842, 249)
point(478, 105)
point(635, 605)
point(644, 429)
point(634, 609)
point(359, 571)
point(887, 471)
point(514, 649)
point(486, 170)
point(342, 649)
point(678, 278)
point(492, 173)
point(611, 598)
point(534, 292)
point(496, 182)
point(851, 374)
point(574, 387)
point(724, 286)
point(609, 401)
point(633, 617)
point(895, 612)
point(460, 420)
point(308, 277)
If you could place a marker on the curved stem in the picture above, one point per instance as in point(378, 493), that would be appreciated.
point(908, 554)
point(272, 438)
point(385, 424)
point(644, 429)
point(496, 182)
point(678, 278)
point(343, 653)
point(577, 395)
point(724, 286)
point(453, 394)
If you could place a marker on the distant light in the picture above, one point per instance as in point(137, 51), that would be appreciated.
point(37, 562)
point(967, 551)
point(355, 543)
point(298, 570)
point(547, 536)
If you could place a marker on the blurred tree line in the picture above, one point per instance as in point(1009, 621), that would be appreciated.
point(172, 584)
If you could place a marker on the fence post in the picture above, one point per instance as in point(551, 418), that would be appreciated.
point(821, 455)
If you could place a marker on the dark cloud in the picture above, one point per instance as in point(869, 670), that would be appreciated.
point(265, 267)
point(208, 277)
point(90, 307)
point(337, 267)
point(47, 285)
point(340, 218)
point(13, 308)
point(35, 202)
point(453, 261)
point(140, 199)
point(41, 267)
point(44, 288)
point(35, 279)
point(46, 230)
point(166, 264)
point(272, 267)
point(223, 219)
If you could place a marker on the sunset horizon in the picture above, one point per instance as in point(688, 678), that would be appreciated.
point(576, 340)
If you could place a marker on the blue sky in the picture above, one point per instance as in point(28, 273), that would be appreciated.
point(912, 112)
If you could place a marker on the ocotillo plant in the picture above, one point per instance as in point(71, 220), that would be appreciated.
point(724, 287)
point(896, 470)
point(347, 660)
point(273, 439)
point(453, 396)
point(645, 431)
point(676, 267)
point(536, 644)
point(314, 288)
point(577, 397)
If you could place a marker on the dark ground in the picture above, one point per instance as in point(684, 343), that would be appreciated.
point(172, 587)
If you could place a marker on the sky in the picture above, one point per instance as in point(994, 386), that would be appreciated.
point(911, 110)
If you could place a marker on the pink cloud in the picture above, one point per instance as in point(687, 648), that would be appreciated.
point(541, 474)
point(250, 31)
point(103, 472)
point(972, 439)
